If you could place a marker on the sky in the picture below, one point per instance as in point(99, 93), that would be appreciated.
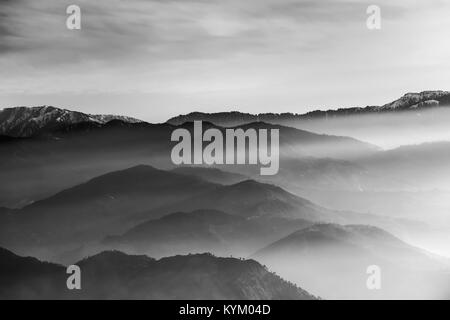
point(154, 59)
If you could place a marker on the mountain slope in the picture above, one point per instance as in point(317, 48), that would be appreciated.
point(252, 199)
point(297, 143)
point(332, 260)
point(114, 275)
point(211, 174)
point(203, 231)
point(26, 121)
point(413, 100)
point(38, 167)
point(201, 276)
point(357, 238)
point(101, 206)
point(29, 278)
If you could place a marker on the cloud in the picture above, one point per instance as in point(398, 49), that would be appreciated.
point(257, 52)
point(164, 30)
point(150, 31)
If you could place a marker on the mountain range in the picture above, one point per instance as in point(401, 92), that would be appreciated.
point(115, 275)
point(408, 102)
point(75, 188)
point(412, 119)
point(340, 256)
point(104, 205)
point(26, 122)
point(203, 230)
point(37, 167)
point(131, 199)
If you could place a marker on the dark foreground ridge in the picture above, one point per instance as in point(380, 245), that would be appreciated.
point(115, 275)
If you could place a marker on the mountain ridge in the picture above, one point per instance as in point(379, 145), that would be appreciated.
point(29, 121)
point(340, 256)
point(408, 102)
point(116, 275)
point(102, 204)
point(202, 230)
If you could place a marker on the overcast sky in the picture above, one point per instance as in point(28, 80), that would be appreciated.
point(154, 59)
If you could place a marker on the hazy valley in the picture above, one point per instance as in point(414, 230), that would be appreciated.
point(78, 188)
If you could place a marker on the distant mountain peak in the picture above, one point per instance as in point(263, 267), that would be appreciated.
point(409, 101)
point(330, 233)
point(115, 257)
point(333, 228)
point(251, 185)
point(414, 100)
point(29, 121)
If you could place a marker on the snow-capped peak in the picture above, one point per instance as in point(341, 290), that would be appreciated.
point(28, 121)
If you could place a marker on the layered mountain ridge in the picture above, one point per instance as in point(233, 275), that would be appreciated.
point(408, 102)
point(30, 121)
